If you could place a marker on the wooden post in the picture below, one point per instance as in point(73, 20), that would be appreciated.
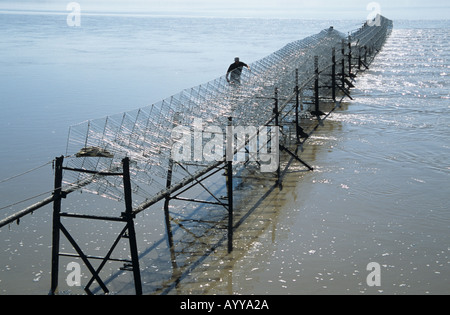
point(229, 179)
point(275, 110)
point(229, 183)
point(297, 107)
point(129, 216)
point(277, 124)
point(365, 55)
point(317, 111)
point(333, 74)
point(229, 153)
point(359, 58)
point(166, 204)
point(349, 56)
point(343, 64)
point(316, 83)
point(57, 193)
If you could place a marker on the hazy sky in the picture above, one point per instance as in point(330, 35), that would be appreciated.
point(340, 9)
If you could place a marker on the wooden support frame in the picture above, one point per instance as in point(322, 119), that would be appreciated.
point(127, 232)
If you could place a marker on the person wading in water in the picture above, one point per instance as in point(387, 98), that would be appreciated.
point(235, 71)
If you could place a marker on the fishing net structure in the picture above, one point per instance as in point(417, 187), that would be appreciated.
point(146, 135)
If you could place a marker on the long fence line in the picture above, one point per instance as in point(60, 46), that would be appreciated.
point(129, 157)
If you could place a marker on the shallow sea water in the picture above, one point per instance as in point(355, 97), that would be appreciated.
point(379, 192)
